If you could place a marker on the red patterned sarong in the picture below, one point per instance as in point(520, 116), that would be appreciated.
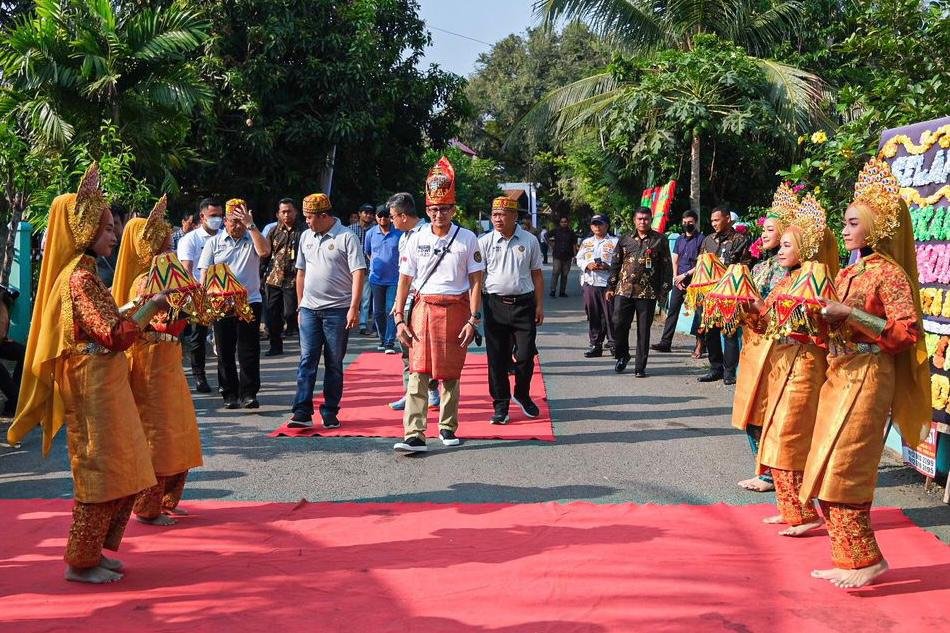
point(437, 321)
point(788, 484)
point(853, 545)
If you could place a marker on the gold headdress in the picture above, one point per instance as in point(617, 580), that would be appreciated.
point(784, 204)
point(83, 216)
point(156, 231)
point(233, 204)
point(879, 189)
point(808, 219)
point(317, 203)
point(504, 203)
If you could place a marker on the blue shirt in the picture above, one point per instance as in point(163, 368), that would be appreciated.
point(240, 255)
point(687, 248)
point(383, 251)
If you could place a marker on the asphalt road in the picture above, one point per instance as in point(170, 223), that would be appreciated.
point(665, 439)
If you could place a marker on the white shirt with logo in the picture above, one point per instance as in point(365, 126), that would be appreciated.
point(592, 248)
point(508, 263)
point(450, 277)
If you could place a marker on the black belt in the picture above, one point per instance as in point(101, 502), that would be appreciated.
point(513, 299)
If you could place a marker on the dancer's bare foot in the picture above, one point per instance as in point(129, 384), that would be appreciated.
point(798, 530)
point(94, 575)
point(851, 578)
point(176, 511)
point(756, 484)
point(112, 564)
point(776, 520)
point(160, 520)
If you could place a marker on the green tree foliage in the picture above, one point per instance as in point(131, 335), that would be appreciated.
point(294, 80)
point(74, 66)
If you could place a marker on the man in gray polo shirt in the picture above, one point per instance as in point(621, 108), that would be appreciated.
point(331, 268)
point(241, 246)
point(514, 307)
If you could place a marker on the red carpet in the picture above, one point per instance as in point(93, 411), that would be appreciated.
point(530, 568)
point(374, 380)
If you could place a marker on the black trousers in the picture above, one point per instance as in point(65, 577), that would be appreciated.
point(10, 385)
point(600, 315)
point(672, 316)
point(235, 338)
point(625, 310)
point(510, 330)
point(194, 340)
point(281, 311)
point(723, 360)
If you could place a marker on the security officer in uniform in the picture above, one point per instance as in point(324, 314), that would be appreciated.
point(594, 258)
point(514, 307)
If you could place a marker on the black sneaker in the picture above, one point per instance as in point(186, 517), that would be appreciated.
point(528, 406)
point(273, 352)
point(621, 364)
point(330, 421)
point(594, 351)
point(710, 376)
point(500, 417)
point(250, 403)
point(201, 385)
point(552, 294)
point(448, 438)
point(660, 347)
point(411, 445)
point(232, 403)
point(300, 420)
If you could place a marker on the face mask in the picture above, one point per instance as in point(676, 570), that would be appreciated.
point(689, 228)
point(214, 223)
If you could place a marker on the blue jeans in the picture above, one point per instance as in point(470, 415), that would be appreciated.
point(366, 306)
point(322, 332)
point(383, 299)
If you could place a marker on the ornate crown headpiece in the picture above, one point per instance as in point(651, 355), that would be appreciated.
point(83, 218)
point(504, 203)
point(156, 230)
point(317, 203)
point(810, 220)
point(784, 204)
point(440, 184)
point(879, 189)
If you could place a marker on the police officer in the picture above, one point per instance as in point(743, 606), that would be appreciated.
point(594, 259)
point(514, 307)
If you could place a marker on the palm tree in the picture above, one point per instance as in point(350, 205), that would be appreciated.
point(645, 29)
point(72, 66)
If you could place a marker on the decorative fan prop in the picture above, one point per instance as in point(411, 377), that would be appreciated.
point(723, 305)
point(185, 295)
point(224, 295)
point(797, 311)
point(709, 270)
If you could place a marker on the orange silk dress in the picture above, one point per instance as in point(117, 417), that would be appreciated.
point(162, 395)
point(855, 400)
point(108, 453)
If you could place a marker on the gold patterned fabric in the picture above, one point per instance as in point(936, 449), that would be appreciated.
point(96, 526)
point(853, 545)
point(317, 203)
point(161, 497)
point(788, 483)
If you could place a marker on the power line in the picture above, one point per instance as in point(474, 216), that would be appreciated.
point(464, 37)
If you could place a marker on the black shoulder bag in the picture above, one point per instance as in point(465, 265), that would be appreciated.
point(411, 303)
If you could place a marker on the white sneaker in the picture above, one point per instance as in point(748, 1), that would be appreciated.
point(411, 445)
point(398, 405)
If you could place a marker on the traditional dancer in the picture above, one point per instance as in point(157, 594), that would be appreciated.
point(798, 364)
point(77, 374)
point(751, 399)
point(881, 367)
point(157, 379)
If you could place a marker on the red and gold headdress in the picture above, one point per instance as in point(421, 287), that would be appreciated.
point(722, 305)
point(440, 184)
point(233, 204)
point(709, 270)
point(84, 215)
point(317, 203)
point(877, 188)
point(504, 203)
point(224, 295)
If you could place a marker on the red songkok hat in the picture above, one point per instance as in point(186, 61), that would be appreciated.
point(440, 185)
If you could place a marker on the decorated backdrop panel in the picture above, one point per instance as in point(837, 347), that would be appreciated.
point(919, 156)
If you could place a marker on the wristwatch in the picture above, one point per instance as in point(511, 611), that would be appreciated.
point(477, 316)
point(251, 227)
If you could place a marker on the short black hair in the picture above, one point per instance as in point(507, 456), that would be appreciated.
point(691, 214)
point(190, 216)
point(289, 201)
point(644, 210)
point(402, 202)
point(722, 210)
point(367, 207)
point(209, 202)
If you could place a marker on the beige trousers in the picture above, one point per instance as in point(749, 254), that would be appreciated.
point(417, 405)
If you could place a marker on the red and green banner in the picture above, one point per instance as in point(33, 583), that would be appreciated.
point(659, 200)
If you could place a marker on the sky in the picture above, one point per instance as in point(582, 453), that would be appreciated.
point(485, 20)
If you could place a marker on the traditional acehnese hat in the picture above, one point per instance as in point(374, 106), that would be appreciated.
point(440, 184)
point(504, 203)
point(317, 203)
point(233, 204)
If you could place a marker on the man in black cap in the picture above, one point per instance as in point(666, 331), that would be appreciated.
point(594, 259)
point(640, 273)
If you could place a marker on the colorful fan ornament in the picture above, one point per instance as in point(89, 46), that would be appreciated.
point(709, 270)
point(184, 294)
point(724, 305)
point(224, 295)
point(797, 310)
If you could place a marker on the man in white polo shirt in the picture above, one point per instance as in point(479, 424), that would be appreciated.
point(189, 252)
point(331, 268)
point(514, 307)
point(443, 264)
point(241, 246)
